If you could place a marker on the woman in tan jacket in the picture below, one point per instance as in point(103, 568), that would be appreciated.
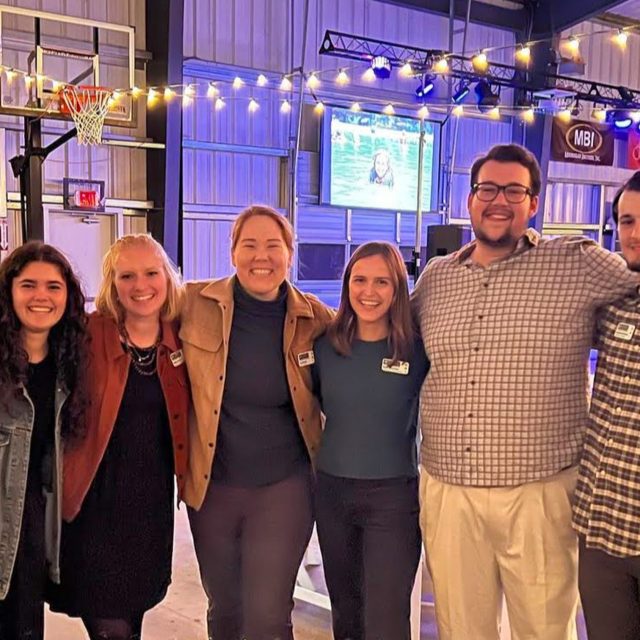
point(248, 344)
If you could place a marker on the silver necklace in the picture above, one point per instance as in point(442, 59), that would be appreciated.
point(143, 359)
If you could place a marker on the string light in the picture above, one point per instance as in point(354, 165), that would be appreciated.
point(262, 80)
point(285, 84)
point(528, 115)
point(313, 82)
point(369, 75)
point(494, 113)
point(136, 91)
point(212, 90)
point(564, 115)
point(219, 104)
point(389, 110)
point(319, 108)
point(406, 69)
point(458, 110)
point(189, 93)
point(237, 82)
point(56, 86)
point(441, 66)
point(621, 38)
point(253, 105)
point(523, 54)
point(28, 81)
point(355, 107)
point(573, 44)
point(599, 114)
point(169, 94)
point(152, 97)
point(423, 112)
point(11, 74)
point(342, 78)
point(285, 107)
point(479, 62)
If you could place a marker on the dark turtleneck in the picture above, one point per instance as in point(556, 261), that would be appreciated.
point(259, 442)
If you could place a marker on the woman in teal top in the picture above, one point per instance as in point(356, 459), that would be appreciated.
point(368, 371)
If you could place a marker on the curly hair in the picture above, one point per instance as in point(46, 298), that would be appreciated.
point(68, 339)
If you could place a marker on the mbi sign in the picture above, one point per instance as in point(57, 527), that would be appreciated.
point(582, 142)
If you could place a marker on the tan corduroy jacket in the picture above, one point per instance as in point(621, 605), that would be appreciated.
point(204, 332)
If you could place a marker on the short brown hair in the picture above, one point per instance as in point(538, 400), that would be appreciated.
point(262, 210)
point(342, 330)
point(107, 298)
point(511, 153)
point(632, 184)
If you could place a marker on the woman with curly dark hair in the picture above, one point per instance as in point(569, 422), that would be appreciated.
point(43, 354)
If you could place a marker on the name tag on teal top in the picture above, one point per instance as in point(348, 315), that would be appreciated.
point(400, 367)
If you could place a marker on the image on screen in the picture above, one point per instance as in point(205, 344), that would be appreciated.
point(374, 160)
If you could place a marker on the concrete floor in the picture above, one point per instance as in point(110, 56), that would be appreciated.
point(181, 616)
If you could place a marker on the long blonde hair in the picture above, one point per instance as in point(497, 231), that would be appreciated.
point(107, 301)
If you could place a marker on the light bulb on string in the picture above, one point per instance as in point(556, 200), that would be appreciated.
point(28, 81)
point(319, 108)
point(599, 114)
point(342, 78)
point(313, 82)
point(212, 90)
point(564, 115)
point(406, 70)
point(458, 110)
point(388, 110)
point(219, 103)
point(11, 74)
point(152, 97)
point(169, 94)
point(528, 115)
point(253, 105)
point(573, 44)
point(369, 75)
point(262, 80)
point(285, 84)
point(523, 54)
point(423, 112)
point(494, 113)
point(441, 66)
point(355, 107)
point(479, 62)
point(621, 38)
point(285, 107)
point(135, 92)
point(237, 82)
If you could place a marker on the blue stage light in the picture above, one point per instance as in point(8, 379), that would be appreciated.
point(461, 92)
point(381, 66)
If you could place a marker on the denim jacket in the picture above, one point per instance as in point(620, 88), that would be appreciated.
point(16, 425)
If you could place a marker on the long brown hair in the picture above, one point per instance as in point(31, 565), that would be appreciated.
point(68, 339)
point(342, 330)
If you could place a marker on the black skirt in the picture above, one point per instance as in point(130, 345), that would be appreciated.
point(116, 554)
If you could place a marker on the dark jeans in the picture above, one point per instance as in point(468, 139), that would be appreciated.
point(249, 543)
point(370, 541)
point(610, 594)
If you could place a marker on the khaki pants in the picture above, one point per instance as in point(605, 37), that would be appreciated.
point(483, 542)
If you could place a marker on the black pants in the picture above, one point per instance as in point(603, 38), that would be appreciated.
point(249, 543)
point(610, 594)
point(370, 541)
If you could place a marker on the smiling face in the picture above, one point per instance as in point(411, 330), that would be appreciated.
point(629, 228)
point(261, 257)
point(371, 292)
point(381, 164)
point(499, 224)
point(140, 281)
point(39, 295)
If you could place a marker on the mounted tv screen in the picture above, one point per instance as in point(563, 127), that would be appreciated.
point(370, 161)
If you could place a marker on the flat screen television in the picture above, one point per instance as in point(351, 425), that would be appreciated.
point(370, 161)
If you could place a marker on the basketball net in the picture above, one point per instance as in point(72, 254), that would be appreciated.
point(88, 106)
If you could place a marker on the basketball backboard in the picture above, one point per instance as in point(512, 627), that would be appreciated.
point(40, 52)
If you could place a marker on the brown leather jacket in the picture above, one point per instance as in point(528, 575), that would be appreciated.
point(107, 376)
point(205, 329)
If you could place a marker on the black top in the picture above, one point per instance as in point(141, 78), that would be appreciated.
point(371, 409)
point(259, 442)
point(116, 554)
point(21, 613)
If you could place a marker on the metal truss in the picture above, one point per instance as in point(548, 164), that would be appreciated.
point(344, 45)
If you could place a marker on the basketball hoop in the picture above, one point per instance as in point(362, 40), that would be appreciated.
point(88, 106)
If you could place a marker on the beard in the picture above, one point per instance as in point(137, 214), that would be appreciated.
point(634, 266)
point(505, 240)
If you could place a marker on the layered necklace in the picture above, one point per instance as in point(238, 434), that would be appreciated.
point(143, 359)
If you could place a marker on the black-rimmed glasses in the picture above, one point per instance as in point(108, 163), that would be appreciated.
point(513, 192)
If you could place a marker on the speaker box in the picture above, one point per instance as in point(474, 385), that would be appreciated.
point(443, 239)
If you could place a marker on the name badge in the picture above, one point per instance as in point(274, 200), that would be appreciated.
point(306, 358)
point(177, 358)
point(400, 367)
point(624, 331)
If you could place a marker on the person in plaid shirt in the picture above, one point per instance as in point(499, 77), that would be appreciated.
point(607, 508)
point(507, 322)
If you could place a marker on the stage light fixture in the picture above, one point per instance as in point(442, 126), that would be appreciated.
point(461, 92)
point(425, 87)
point(487, 100)
point(620, 118)
point(626, 94)
point(381, 66)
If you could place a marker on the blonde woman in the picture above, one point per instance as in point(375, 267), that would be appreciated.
point(118, 484)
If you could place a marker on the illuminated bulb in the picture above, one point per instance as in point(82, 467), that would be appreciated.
point(479, 62)
point(319, 108)
point(262, 80)
point(621, 38)
point(40, 77)
point(599, 114)
point(219, 104)
point(573, 45)
point(136, 91)
point(523, 54)
point(389, 110)
point(528, 115)
point(355, 106)
point(152, 97)
point(312, 81)
point(28, 81)
point(189, 91)
point(237, 82)
point(11, 74)
point(285, 84)
point(212, 90)
point(423, 113)
point(494, 113)
point(458, 110)
point(342, 78)
point(369, 75)
point(285, 107)
point(406, 70)
point(169, 93)
point(56, 86)
point(564, 115)
point(253, 105)
point(442, 66)
point(116, 95)
point(111, 102)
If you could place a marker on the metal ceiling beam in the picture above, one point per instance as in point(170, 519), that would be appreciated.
point(500, 17)
point(554, 16)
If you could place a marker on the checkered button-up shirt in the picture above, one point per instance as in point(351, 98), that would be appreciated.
point(506, 400)
point(607, 507)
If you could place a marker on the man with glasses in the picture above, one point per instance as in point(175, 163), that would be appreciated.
point(607, 506)
point(507, 322)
